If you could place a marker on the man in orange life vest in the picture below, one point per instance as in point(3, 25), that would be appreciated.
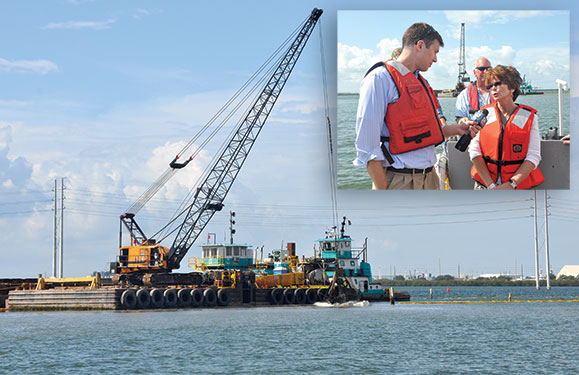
point(397, 125)
point(476, 94)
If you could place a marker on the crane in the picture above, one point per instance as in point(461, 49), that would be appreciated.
point(145, 260)
point(462, 74)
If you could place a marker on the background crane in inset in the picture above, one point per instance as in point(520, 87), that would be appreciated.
point(462, 74)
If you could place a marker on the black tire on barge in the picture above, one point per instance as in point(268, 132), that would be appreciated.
point(129, 299)
point(276, 296)
point(322, 294)
point(210, 298)
point(143, 299)
point(170, 297)
point(311, 296)
point(289, 297)
point(300, 296)
point(157, 299)
point(184, 298)
point(223, 297)
point(196, 297)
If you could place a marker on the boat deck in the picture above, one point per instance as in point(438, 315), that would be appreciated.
point(555, 158)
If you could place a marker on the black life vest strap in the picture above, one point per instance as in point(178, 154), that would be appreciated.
point(377, 65)
point(417, 138)
point(502, 162)
point(385, 151)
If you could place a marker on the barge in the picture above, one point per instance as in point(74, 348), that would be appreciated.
point(230, 276)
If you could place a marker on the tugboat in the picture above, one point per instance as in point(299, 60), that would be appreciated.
point(337, 252)
point(527, 88)
point(337, 271)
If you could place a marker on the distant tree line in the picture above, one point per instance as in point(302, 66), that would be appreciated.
point(449, 280)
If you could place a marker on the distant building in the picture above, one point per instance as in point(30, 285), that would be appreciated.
point(568, 270)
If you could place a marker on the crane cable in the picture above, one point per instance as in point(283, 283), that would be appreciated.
point(170, 172)
point(331, 161)
point(184, 206)
point(273, 61)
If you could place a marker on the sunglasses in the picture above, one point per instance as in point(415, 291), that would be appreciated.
point(428, 31)
point(482, 68)
point(496, 84)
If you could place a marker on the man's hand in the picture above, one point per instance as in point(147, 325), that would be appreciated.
point(463, 127)
point(377, 174)
point(468, 126)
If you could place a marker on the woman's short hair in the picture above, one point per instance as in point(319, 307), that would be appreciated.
point(508, 75)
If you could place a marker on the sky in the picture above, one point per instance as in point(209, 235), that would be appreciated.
point(501, 36)
point(104, 93)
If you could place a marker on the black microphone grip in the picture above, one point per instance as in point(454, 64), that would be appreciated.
point(464, 141)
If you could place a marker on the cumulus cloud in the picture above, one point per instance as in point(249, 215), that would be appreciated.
point(177, 187)
point(353, 62)
point(475, 17)
point(75, 25)
point(28, 66)
point(14, 172)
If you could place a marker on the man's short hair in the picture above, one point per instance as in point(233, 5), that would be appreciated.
point(421, 31)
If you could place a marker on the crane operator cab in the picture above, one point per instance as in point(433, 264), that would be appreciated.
point(147, 256)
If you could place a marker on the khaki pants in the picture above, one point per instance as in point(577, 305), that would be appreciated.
point(412, 181)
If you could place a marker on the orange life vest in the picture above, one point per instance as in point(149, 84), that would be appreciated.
point(473, 96)
point(505, 149)
point(412, 121)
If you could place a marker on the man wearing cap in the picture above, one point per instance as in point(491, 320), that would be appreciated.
point(397, 125)
point(475, 95)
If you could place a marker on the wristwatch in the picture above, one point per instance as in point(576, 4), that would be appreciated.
point(513, 183)
point(491, 186)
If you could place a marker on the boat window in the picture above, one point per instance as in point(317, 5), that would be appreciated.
point(353, 263)
point(342, 263)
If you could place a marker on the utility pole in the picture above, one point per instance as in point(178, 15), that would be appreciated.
point(547, 263)
point(61, 224)
point(55, 244)
point(536, 241)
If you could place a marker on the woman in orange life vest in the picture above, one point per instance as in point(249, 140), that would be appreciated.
point(506, 152)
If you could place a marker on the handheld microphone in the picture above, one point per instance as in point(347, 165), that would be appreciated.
point(464, 141)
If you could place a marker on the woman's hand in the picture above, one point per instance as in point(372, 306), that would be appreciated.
point(504, 186)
